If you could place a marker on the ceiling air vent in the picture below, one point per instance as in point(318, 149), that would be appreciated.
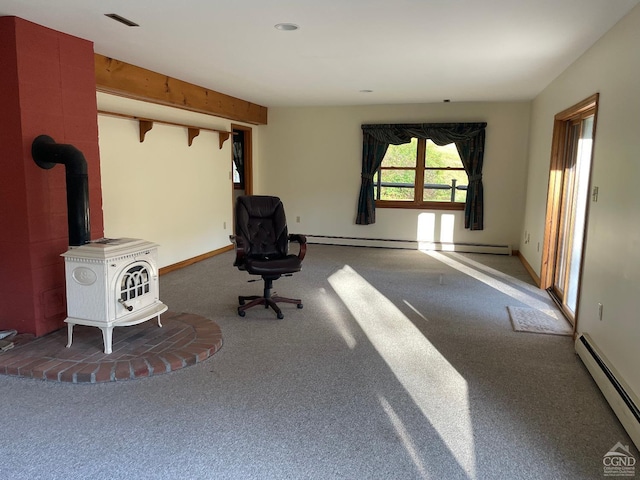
point(118, 18)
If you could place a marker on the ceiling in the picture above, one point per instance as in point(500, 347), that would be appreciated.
point(405, 51)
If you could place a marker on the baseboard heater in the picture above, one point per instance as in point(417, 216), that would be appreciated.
point(621, 398)
point(409, 244)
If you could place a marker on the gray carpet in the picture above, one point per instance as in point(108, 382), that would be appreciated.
point(401, 365)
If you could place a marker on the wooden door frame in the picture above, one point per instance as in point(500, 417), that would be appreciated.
point(248, 156)
point(552, 221)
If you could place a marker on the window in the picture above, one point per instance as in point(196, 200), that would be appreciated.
point(421, 174)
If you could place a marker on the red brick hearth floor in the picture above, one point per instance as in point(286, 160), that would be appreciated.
point(138, 351)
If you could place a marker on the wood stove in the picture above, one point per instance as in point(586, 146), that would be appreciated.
point(112, 283)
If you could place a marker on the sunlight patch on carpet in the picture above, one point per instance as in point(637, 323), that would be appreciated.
point(506, 285)
point(436, 387)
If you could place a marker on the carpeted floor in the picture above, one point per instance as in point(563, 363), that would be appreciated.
point(401, 365)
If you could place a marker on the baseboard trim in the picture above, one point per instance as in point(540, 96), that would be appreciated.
point(529, 269)
point(618, 394)
point(191, 261)
point(372, 242)
point(408, 244)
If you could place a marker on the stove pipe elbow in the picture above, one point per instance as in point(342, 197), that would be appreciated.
point(47, 153)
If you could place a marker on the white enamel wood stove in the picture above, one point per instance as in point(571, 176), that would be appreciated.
point(112, 283)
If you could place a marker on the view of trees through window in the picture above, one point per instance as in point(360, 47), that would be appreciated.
point(406, 167)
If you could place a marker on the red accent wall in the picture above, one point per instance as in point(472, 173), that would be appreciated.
point(47, 86)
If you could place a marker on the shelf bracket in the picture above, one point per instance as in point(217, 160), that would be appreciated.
point(193, 133)
point(145, 126)
point(223, 136)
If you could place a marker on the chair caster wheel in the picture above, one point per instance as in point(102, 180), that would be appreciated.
point(240, 301)
point(242, 313)
point(299, 305)
point(280, 316)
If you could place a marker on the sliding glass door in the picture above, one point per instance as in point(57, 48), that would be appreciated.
point(567, 205)
point(573, 206)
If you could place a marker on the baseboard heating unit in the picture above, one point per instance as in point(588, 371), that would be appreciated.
point(409, 244)
point(621, 398)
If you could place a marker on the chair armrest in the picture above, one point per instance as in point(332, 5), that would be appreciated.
point(240, 250)
point(302, 240)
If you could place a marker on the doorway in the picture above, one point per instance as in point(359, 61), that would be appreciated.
point(567, 204)
point(241, 163)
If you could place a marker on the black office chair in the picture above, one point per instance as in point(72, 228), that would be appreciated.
point(262, 244)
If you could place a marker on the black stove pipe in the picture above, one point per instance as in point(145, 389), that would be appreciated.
point(47, 153)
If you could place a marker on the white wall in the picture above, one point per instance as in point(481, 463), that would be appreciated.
point(311, 158)
point(162, 190)
point(611, 273)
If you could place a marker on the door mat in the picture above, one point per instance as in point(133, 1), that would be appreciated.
point(549, 321)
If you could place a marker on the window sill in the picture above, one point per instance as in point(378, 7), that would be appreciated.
point(420, 206)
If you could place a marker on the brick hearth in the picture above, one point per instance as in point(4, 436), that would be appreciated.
point(138, 351)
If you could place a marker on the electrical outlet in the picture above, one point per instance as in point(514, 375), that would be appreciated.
point(224, 225)
point(298, 219)
point(600, 308)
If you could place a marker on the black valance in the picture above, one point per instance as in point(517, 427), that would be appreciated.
point(438, 133)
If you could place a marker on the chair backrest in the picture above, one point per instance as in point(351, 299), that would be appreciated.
point(262, 224)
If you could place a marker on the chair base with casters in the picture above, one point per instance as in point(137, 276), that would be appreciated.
point(268, 300)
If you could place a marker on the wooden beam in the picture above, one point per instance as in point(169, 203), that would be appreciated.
point(120, 78)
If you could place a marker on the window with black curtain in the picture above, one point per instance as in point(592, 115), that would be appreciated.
point(428, 165)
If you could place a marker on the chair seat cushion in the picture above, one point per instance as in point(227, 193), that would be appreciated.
point(276, 266)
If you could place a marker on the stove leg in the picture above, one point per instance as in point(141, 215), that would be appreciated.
point(107, 337)
point(159, 324)
point(69, 334)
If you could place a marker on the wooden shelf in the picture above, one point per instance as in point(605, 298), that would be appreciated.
point(146, 124)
